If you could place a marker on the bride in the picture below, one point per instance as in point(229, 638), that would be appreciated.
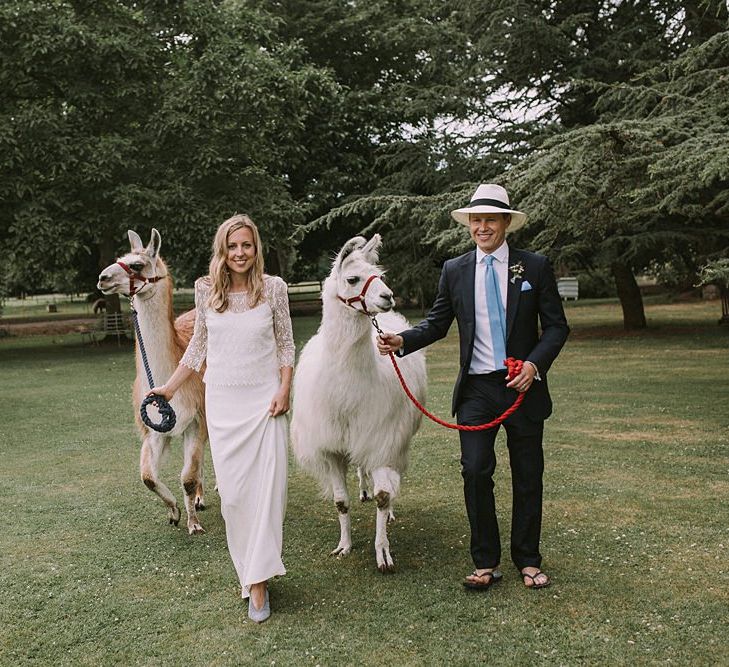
point(243, 333)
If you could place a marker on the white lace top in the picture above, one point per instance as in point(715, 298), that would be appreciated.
point(243, 345)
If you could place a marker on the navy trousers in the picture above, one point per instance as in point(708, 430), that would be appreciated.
point(484, 398)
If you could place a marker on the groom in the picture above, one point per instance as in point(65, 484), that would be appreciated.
point(499, 296)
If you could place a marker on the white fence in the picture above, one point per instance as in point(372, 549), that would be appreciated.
point(568, 288)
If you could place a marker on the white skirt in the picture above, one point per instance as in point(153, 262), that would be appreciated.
point(249, 450)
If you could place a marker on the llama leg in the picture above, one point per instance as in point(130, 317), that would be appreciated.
point(338, 479)
point(362, 476)
point(149, 460)
point(199, 492)
point(191, 476)
point(386, 483)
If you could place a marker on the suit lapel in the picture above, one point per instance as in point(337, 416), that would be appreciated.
point(468, 274)
point(513, 293)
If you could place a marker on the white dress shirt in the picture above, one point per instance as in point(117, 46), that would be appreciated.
point(483, 360)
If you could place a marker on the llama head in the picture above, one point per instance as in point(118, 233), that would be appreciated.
point(145, 263)
point(353, 267)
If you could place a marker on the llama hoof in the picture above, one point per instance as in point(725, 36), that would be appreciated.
point(173, 515)
point(363, 496)
point(195, 529)
point(385, 564)
point(341, 551)
point(390, 517)
point(386, 568)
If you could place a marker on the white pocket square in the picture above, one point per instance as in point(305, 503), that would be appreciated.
point(526, 286)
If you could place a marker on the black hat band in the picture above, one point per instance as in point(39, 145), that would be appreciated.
point(489, 202)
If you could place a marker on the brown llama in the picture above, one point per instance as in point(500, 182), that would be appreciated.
point(165, 340)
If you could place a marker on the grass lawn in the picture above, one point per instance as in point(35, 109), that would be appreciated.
point(636, 525)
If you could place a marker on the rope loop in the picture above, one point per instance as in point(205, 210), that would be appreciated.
point(165, 409)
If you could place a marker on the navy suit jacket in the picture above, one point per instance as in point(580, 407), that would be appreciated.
point(525, 310)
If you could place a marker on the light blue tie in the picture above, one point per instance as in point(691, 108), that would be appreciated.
point(497, 315)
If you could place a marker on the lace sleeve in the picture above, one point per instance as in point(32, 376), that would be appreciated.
point(197, 349)
point(282, 330)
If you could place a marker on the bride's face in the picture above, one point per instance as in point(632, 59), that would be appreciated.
point(241, 251)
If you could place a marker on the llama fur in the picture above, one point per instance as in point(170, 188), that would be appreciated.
point(165, 340)
point(349, 407)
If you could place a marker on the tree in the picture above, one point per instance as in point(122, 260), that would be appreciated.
point(78, 83)
point(235, 129)
point(649, 184)
point(120, 115)
point(716, 272)
point(639, 177)
point(400, 69)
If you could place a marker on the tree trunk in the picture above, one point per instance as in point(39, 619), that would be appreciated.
point(629, 295)
point(724, 291)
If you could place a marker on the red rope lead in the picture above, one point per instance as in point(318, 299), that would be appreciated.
point(513, 366)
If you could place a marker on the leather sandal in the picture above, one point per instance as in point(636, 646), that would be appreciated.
point(533, 577)
point(494, 577)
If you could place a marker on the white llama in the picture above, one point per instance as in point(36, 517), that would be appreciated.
point(165, 340)
point(348, 403)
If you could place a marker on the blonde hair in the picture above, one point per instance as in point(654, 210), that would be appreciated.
point(219, 274)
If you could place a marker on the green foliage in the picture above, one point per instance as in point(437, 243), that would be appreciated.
point(416, 234)
point(77, 83)
point(119, 116)
point(605, 177)
point(3, 290)
point(233, 127)
point(595, 284)
point(116, 114)
point(715, 273)
point(648, 182)
point(402, 70)
point(537, 66)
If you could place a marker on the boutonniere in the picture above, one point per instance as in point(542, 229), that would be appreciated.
point(517, 271)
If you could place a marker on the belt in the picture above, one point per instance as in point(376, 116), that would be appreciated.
point(492, 374)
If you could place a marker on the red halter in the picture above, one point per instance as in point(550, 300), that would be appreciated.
point(133, 275)
point(360, 297)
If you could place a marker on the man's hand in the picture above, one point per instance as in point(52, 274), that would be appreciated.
point(524, 380)
point(389, 342)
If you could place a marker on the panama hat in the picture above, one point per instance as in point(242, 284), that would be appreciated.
point(490, 198)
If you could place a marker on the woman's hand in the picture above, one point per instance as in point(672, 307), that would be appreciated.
point(162, 391)
point(280, 403)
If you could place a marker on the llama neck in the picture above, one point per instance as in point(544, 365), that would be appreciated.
point(157, 331)
point(350, 332)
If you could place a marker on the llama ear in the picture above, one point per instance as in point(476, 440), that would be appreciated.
point(372, 249)
point(135, 241)
point(154, 243)
point(348, 248)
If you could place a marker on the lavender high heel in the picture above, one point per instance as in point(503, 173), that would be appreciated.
point(259, 615)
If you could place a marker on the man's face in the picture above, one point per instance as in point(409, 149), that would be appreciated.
point(488, 230)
